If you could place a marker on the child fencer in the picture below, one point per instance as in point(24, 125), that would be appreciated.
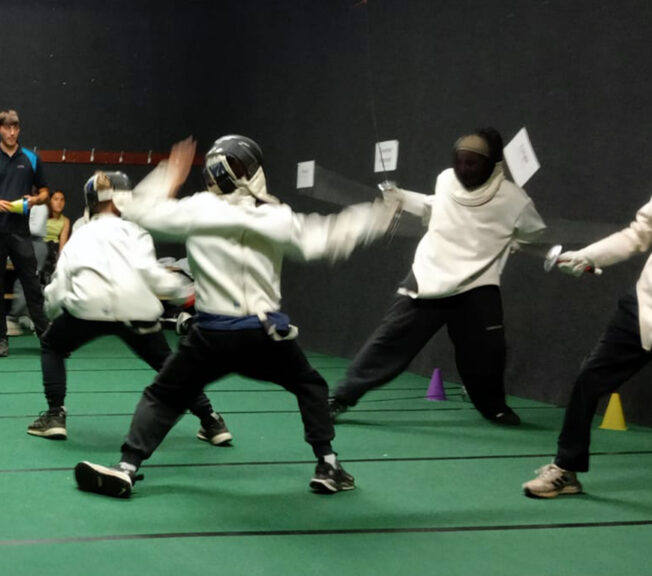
point(236, 235)
point(108, 281)
point(621, 352)
point(475, 218)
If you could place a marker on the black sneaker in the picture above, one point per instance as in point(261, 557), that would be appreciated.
point(216, 432)
point(328, 479)
point(50, 424)
point(335, 408)
point(114, 481)
point(4, 347)
point(507, 417)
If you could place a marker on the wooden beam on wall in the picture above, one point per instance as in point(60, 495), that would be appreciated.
point(93, 156)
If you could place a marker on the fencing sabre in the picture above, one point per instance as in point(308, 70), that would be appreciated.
point(551, 254)
point(386, 184)
point(552, 258)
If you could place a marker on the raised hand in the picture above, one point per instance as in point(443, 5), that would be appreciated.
point(179, 163)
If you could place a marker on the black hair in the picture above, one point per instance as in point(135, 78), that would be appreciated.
point(495, 142)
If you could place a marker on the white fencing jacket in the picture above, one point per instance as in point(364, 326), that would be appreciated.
point(108, 271)
point(235, 248)
point(470, 233)
point(634, 239)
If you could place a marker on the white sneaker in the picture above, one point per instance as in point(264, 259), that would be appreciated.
point(13, 328)
point(551, 482)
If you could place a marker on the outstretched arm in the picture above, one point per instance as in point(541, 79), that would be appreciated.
point(335, 236)
point(634, 239)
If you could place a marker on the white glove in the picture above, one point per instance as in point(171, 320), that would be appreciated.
point(574, 263)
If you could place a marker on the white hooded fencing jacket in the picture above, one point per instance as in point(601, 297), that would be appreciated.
point(470, 233)
point(634, 239)
point(235, 247)
point(108, 271)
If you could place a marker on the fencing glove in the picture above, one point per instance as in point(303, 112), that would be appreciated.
point(574, 263)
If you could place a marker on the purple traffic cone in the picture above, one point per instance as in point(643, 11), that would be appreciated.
point(436, 388)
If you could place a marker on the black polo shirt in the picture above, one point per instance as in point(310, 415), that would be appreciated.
point(20, 175)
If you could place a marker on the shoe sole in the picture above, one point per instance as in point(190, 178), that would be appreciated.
point(337, 413)
point(566, 491)
point(218, 439)
point(102, 480)
point(50, 433)
point(328, 486)
point(506, 422)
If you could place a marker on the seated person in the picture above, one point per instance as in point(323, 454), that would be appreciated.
point(57, 233)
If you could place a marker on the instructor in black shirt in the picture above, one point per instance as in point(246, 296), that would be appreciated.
point(21, 176)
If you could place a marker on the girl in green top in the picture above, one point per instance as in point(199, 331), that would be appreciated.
point(57, 233)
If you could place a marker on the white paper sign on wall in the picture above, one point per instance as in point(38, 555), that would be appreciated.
point(306, 174)
point(520, 158)
point(386, 157)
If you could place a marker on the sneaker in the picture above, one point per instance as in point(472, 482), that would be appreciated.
point(551, 482)
point(115, 481)
point(13, 328)
point(50, 424)
point(335, 408)
point(26, 324)
point(4, 347)
point(216, 432)
point(507, 417)
point(328, 479)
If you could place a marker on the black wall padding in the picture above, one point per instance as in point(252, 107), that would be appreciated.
point(305, 78)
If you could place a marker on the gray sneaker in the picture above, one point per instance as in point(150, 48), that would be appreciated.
point(50, 424)
point(551, 482)
point(4, 347)
point(115, 481)
point(215, 432)
point(328, 479)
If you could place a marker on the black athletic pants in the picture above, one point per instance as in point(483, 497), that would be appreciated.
point(614, 360)
point(205, 356)
point(68, 333)
point(21, 251)
point(474, 321)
